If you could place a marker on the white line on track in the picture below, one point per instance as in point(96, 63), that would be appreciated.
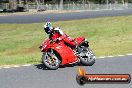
point(110, 56)
point(129, 54)
point(26, 65)
point(16, 66)
point(121, 55)
point(6, 67)
point(101, 57)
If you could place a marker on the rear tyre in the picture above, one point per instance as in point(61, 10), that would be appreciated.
point(86, 56)
point(51, 60)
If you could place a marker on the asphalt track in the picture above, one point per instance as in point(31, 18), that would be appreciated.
point(37, 76)
point(35, 18)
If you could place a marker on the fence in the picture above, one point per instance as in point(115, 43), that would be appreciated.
point(4, 6)
point(88, 7)
point(78, 6)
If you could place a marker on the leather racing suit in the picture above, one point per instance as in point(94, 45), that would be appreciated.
point(57, 33)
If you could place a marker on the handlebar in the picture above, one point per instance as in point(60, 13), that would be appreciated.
point(55, 41)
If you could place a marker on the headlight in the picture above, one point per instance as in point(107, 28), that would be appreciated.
point(86, 39)
point(45, 46)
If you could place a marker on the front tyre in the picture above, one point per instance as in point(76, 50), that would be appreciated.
point(50, 60)
point(86, 56)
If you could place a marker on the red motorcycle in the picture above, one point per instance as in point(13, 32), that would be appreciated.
point(56, 53)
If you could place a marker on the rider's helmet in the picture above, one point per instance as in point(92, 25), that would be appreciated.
point(47, 27)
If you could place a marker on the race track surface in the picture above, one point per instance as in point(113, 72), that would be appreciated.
point(35, 18)
point(38, 77)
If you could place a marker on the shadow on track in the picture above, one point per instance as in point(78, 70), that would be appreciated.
point(42, 67)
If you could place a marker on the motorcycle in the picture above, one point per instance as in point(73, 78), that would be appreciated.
point(57, 52)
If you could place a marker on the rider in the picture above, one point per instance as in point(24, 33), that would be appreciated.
point(56, 33)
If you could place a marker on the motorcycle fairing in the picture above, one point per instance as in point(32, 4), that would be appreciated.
point(65, 52)
point(78, 40)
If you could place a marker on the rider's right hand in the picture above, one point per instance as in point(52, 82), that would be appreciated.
point(55, 40)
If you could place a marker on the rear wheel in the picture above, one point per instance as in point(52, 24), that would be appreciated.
point(51, 60)
point(86, 56)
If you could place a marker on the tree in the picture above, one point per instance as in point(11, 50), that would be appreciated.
point(19, 2)
point(61, 4)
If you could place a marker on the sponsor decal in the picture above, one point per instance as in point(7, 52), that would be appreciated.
point(83, 78)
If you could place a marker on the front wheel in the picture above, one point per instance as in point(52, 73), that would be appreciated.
point(50, 60)
point(86, 56)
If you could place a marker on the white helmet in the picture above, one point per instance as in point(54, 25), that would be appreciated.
point(47, 27)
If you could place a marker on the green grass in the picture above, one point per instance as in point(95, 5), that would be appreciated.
point(107, 36)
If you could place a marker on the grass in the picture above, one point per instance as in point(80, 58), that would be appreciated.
point(107, 36)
